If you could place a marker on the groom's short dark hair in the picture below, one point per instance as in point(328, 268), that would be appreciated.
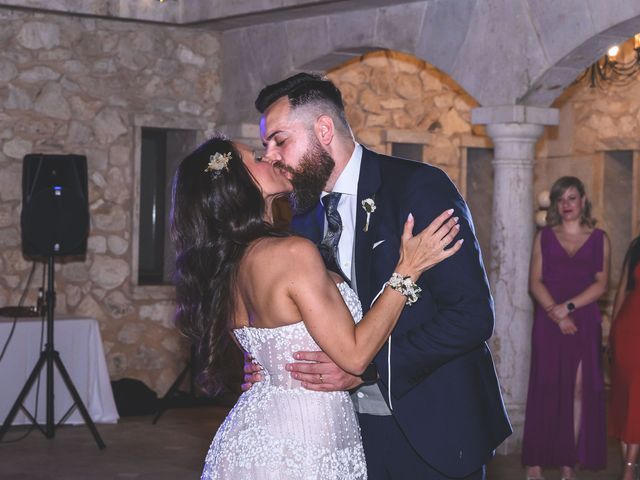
point(301, 89)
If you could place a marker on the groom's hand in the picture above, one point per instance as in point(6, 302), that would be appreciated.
point(251, 372)
point(322, 375)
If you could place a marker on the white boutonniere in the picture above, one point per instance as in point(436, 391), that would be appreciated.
point(369, 206)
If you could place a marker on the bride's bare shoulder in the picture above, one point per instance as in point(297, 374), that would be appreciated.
point(293, 247)
point(292, 253)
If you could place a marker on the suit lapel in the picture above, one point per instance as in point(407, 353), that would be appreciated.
point(368, 184)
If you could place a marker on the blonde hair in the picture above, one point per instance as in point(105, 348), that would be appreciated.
point(557, 190)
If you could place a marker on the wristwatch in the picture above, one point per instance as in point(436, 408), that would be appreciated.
point(571, 307)
point(370, 374)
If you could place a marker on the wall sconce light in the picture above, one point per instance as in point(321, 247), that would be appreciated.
point(617, 67)
point(544, 202)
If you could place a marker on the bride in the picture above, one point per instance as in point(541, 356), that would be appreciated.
point(235, 272)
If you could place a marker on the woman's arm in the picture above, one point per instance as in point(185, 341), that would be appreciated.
point(621, 293)
point(536, 286)
point(351, 346)
point(540, 292)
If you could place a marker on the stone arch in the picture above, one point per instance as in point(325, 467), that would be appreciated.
point(553, 81)
point(261, 54)
point(502, 52)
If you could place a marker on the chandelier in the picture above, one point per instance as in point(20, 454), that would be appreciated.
point(615, 68)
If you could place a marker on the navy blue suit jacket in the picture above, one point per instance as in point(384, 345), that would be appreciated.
point(444, 390)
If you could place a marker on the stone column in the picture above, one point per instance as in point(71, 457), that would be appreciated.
point(514, 131)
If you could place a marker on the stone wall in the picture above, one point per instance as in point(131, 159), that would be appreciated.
point(394, 97)
point(86, 86)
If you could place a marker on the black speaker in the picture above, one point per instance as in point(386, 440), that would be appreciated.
point(55, 207)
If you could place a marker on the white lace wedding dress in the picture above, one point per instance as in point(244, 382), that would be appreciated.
point(278, 430)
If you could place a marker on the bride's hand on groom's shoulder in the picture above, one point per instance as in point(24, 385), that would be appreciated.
point(251, 372)
point(431, 246)
point(321, 375)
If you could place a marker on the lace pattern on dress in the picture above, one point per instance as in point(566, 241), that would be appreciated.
point(279, 430)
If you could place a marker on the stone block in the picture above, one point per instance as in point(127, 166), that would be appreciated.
point(9, 237)
point(18, 99)
point(17, 148)
point(37, 35)
point(159, 312)
point(118, 304)
point(370, 136)
point(51, 101)
point(382, 82)
point(398, 27)
point(131, 333)
point(79, 133)
point(97, 244)
point(38, 74)
point(474, 63)
point(377, 120)
point(354, 76)
point(73, 294)
point(353, 29)
point(350, 93)
point(370, 101)
point(148, 358)
point(8, 70)
point(117, 245)
point(108, 125)
point(90, 308)
point(118, 190)
point(108, 273)
point(443, 32)
point(453, 124)
point(401, 119)
point(564, 24)
point(408, 86)
point(111, 219)
point(7, 215)
point(355, 116)
point(392, 103)
point(303, 52)
point(76, 272)
point(11, 182)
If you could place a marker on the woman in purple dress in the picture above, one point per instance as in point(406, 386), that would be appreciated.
point(565, 416)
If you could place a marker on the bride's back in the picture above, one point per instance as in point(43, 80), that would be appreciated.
point(265, 272)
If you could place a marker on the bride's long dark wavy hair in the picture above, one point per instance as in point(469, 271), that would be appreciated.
point(214, 218)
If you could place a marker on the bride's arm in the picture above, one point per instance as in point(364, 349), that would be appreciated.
point(350, 346)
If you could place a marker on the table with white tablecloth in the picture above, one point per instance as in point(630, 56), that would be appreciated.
point(79, 343)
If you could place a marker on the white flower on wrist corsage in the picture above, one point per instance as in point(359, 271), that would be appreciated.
point(369, 206)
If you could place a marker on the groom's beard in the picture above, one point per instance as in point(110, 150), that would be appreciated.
point(310, 178)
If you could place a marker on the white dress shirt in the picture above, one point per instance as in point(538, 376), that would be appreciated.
point(347, 185)
point(367, 398)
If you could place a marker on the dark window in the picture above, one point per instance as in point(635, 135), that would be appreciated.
point(480, 196)
point(161, 151)
point(412, 151)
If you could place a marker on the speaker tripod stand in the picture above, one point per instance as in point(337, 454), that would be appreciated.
point(48, 358)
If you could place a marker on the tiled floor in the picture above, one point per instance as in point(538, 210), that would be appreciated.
point(173, 449)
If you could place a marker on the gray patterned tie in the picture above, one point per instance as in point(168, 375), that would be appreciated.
point(329, 245)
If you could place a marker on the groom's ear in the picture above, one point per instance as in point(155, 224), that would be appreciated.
point(324, 129)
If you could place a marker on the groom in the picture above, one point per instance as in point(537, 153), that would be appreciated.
point(429, 405)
